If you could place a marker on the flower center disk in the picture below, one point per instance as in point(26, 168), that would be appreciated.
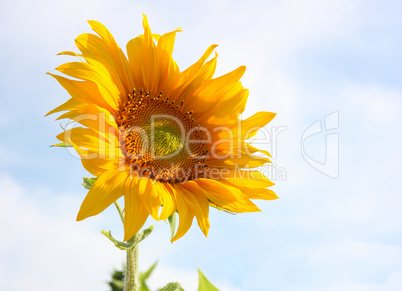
point(158, 140)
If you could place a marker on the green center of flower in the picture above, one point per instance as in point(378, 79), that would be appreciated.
point(159, 140)
point(167, 141)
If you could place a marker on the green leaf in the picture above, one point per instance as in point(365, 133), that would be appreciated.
point(144, 276)
point(88, 182)
point(172, 222)
point(116, 285)
point(147, 273)
point(117, 282)
point(204, 284)
point(62, 145)
point(132, 244)
point(174, 286)
point(121, 245)
point(145, 233)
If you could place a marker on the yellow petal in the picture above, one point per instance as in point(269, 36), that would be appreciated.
point(166, 41)
point(136, 61)
point(149, 57)
point(86, 91)
point(119, 59)
point(248, 179)
point(68, 53)
point(108, 188)
point(152, 67)
point(225, 196)
point(250, 126)
point(186, 92)
point(214, 91)
point(260, 193)
point(106, 145)
point(150, 197)
point(251, 149)
point(97, 74)
point(168, 70)
point(156, 36)
point(97, 166)
point(71, 104)
point(98, 160)
point(197, 201)
point(84, 138)
point(186, 216)
point(222, 85)
point(95, 48)
point(135, 212)
point(244, 161)
point(189, 73)
point(228, 109)
point(94, 117)
point(168, 200)
point(232, 148)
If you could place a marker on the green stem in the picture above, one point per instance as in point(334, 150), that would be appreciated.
point(132, 275)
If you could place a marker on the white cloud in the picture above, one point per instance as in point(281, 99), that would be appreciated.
point(379, 106)
point(393, 283)
point(346, 252)
point(45, 249)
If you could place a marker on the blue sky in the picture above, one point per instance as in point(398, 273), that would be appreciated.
point(305, 60)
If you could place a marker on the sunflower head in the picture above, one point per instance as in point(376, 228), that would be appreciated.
point(155, 136)
point(167, 140)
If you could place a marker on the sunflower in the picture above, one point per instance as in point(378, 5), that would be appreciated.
point(167, 140)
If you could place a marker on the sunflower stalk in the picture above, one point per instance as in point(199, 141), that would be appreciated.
point(132, 282)
point(131, 247)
